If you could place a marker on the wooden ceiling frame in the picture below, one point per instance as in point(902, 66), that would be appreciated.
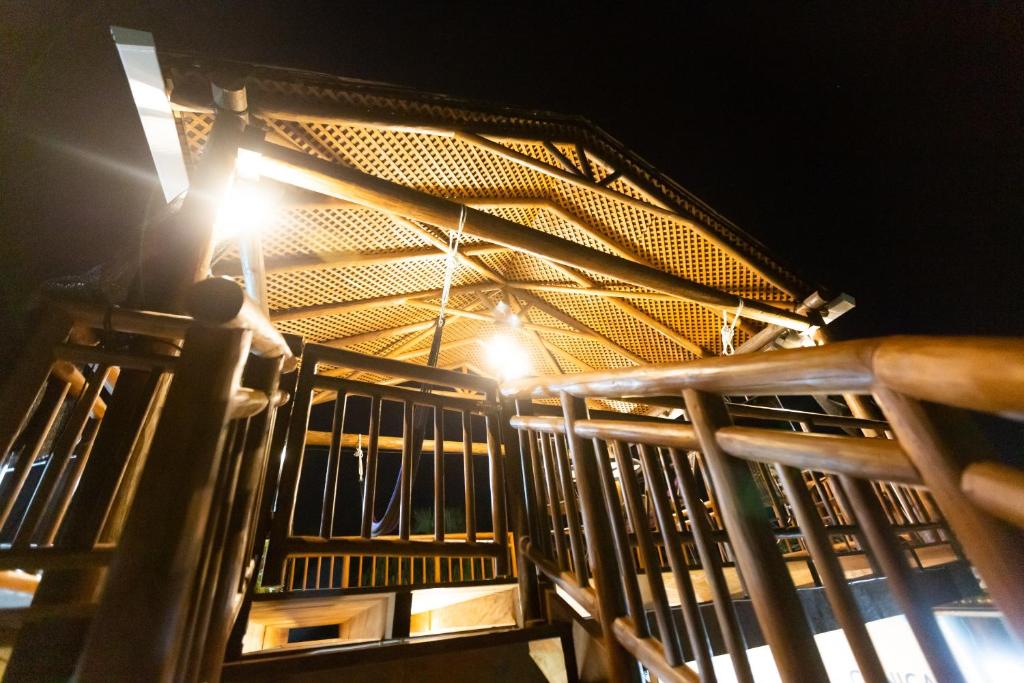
point(314, 174)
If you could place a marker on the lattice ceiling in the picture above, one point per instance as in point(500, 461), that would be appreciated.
point(612, 202)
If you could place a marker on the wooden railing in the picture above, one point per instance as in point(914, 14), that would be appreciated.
point(608, 498)
point(319, 571)
point(423, 413)
point(136, 446)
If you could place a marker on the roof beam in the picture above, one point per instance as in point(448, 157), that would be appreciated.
point(351, 259)
point(314, 174)
point(339, 307)
point(563, 161)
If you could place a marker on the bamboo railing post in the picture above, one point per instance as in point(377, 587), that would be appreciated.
point(819, 545)
point(941, 443)
point(370, 474)
point(291, 469)
point(439, 474)
point(654, 474)
point(645, 544)
point(469, 476)
point(577, 548)
point(519, 499)
point(554, 504)
point(711, 561)
point(771, 589)
point(263, 375)
point(333, 464)
point(153, 572)
point(620, 538)
point(405, 476)
point(533, 487)
point(500, 512)
point(908, 593)
point(610, 598)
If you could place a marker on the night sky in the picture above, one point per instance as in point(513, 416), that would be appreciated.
point(878, 150)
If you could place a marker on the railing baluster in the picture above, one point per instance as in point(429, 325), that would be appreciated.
point(595, 525)
point(767, 578)
point(638, 518)
point(438, 474)
point(32, 440)
point(468, 476)
point(496, 471)
point(572, 516)
point(711, 561)
point(620, 537)
point(908, 593)
point(654, 474)
point(370, 473)
point(405, 483)
point(333, 465)
point(819, 545)
point(554, 503)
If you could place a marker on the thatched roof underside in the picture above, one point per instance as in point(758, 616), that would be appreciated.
point(407, 137)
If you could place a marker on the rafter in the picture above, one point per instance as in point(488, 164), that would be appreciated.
point(339, 307)
point(352, 259)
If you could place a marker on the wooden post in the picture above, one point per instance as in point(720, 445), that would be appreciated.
point(907, 592)
point(819, 545)
point(291, 469)
point(153, 571)
point(370, 474)
point(768, 581)
point(941, 442)
point(439, 474)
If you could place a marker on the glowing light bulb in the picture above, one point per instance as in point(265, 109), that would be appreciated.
point(507, 358)
point(245, 209)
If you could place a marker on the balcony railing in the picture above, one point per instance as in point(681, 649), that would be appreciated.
point(611, 499)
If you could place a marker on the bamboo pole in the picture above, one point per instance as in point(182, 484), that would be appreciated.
point(352, 259)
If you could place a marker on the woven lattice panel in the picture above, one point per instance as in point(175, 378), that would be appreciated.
point(419, 155)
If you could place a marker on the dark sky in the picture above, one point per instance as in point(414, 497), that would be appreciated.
point(878, 149)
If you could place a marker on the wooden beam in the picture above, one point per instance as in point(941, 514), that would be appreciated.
point(588, 172)
point(339, 307)
point(352, 259)
point(321, 176)
point(372, 335)
point(563, 161)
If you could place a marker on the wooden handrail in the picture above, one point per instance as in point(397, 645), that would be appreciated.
point(996, 488)
point(984, 374)
point(875, 459)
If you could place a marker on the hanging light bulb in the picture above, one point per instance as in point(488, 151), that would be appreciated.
point(507, 358)
point(246, 209)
